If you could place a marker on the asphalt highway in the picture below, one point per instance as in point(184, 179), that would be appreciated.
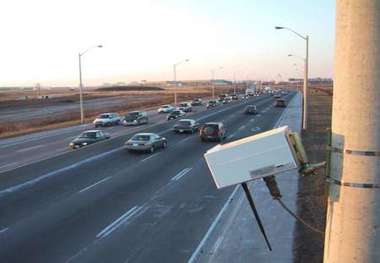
point(104, 204)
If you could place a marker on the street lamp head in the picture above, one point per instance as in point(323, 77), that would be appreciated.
point(187, 60)
point(100, 46)
point(278, 27)
point(290, 55)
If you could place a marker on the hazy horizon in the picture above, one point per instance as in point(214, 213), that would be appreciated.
point(142, 40)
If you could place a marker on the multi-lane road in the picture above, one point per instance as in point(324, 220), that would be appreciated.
point(104, 204)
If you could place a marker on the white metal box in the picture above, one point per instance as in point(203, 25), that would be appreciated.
point(251, 158)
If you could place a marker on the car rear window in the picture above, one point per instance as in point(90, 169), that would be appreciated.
point(210, 128)
point(104, 116)
point(90, 135)
point(141, 138)
point(184, 123)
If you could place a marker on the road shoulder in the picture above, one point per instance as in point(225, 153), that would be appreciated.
point(235, 237)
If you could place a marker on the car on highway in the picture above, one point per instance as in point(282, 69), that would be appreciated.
point(212, 104)
point(277, 96)
point(186, 125)
point(250, 109)
point(234, 97)
point(175, 114)
point(107, 119)
point(147, 142)
point(280, 103)
point(212, 131)
point(166, 109)
point(185, 106)
point(88, 137)
point(197, 102)
point(136, 118)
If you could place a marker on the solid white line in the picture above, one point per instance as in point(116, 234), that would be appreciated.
point(184, 173)
point(216, 220)
point(89, 187)
point(8, 164)
point(211, 228)
point(180, 174)
point(3, 230)
point(30, 148)
point(118, 222)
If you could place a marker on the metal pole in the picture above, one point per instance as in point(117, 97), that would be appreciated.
point(353, 215)
point(212, 83)
point(175, 83)
point(255, 213)
point(81, 90)
point(305, 86)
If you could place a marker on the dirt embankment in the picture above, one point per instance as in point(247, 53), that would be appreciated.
point(312, 193)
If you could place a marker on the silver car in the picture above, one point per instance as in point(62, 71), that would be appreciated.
point(148, 142)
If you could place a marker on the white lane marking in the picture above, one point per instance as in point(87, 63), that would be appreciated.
point(181, 174)
point(3, 230)
point(75, 165)
point(212, 227)
point(231, 136)
point(30, 148)
point(118, 222)
point(254, 129)
point(241, 128)
point(149, 157)
point(57, 172)
point(8, 164)
point(99, 182)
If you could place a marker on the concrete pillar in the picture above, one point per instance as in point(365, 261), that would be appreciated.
point(353, 216)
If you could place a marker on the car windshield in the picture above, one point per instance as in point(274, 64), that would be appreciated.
point(132, 115)
point(184, 123)
point(183, 105)
point(104, 116)
point(88, 135)
point(166, 106)
point(140, 137)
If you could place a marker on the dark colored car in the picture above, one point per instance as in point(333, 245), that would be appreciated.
point(280, 103)
point(175, 114)
point(89, 137)
point(212, 103)
point(250, 109)
point(234, 97)
point(135, 118)
point(186, 125)
point(196, 102)
point(146, 142)
point(212, 131)
point(185, 107)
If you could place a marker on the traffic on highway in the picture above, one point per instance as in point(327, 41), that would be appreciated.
point(123, 188)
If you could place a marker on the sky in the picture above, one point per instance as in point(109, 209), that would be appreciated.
point(142, 39)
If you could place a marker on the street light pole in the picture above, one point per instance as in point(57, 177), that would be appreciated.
point(212, 81)
point(175, 77)
point(306, 75)
point(81, 83)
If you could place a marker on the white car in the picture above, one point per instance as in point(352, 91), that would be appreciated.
point(166, 109)
point(107, 119)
